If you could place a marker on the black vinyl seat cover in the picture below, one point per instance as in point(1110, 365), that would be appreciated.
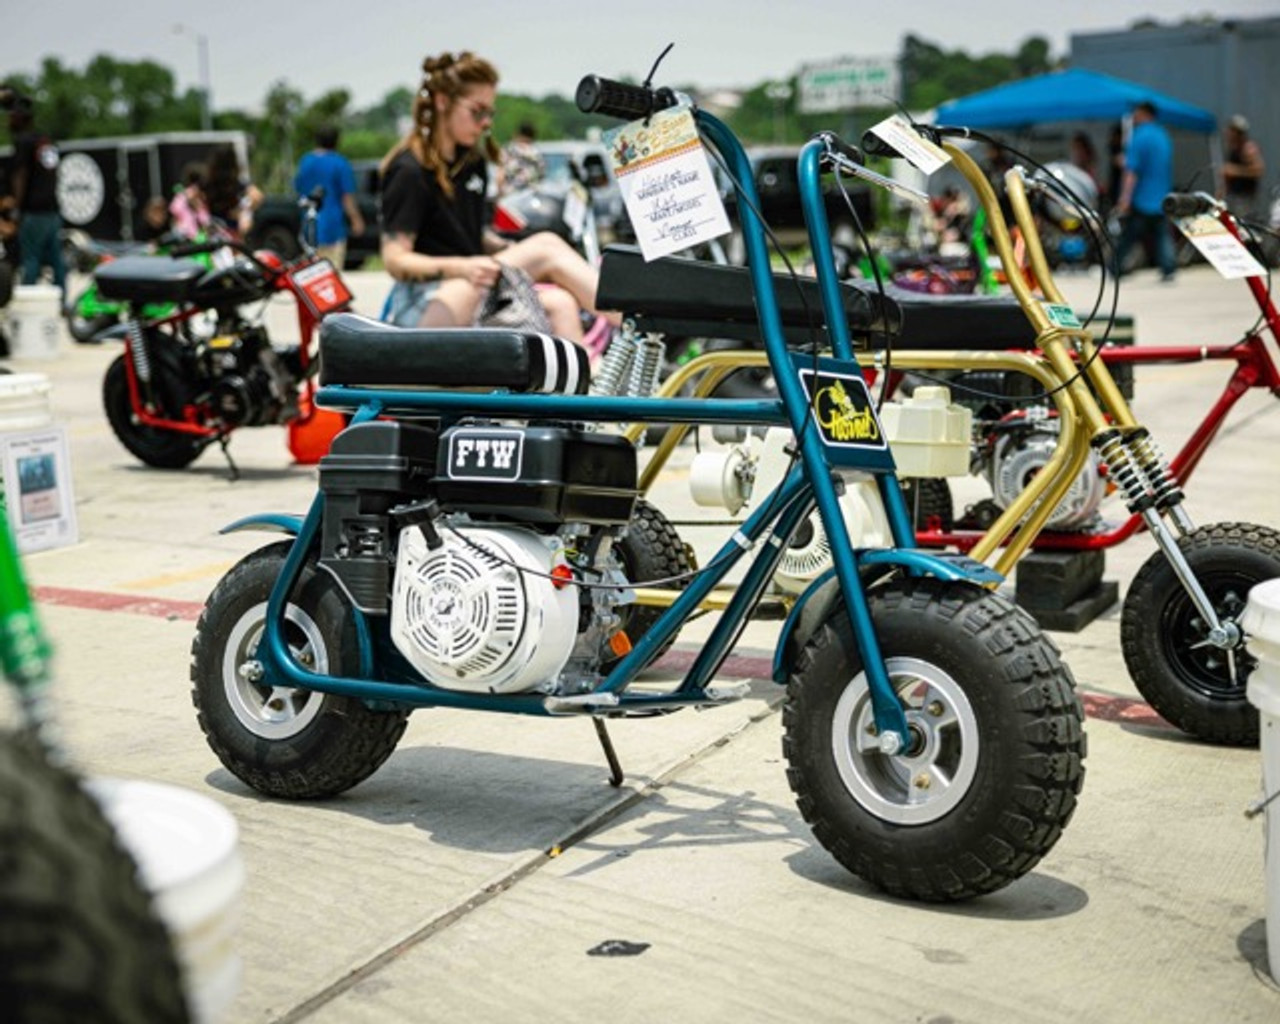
point(148, 279)
point(358, 351)
point(684, 296)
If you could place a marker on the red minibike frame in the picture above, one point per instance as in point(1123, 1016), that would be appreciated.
point(317, 288)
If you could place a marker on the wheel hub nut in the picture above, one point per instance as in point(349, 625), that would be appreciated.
point(921, 781)
point(251, 671)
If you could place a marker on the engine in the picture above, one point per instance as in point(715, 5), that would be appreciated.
point(1019, 447)
point(482, 611)
point(472, 545)
point(249, 382)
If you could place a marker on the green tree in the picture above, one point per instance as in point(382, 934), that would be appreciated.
point(273, 154)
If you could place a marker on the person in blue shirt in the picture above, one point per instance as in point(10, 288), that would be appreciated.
point(1148, 178)
point(325, 166)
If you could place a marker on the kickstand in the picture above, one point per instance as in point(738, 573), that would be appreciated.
point(610, 755)
point(223, 440)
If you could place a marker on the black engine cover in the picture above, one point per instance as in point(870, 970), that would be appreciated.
point(537, 474)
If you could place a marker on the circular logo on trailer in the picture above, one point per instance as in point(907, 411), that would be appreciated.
point(81, 190)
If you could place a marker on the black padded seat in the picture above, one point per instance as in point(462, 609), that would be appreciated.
point(969, 322)
point(148, 279)
point(696, 298)
point(358, 351)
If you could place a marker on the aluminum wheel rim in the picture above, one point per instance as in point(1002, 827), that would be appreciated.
point(931, 777)
point(272, 712)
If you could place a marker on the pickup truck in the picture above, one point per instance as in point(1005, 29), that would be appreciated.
point(277, 220)
point(778, 185)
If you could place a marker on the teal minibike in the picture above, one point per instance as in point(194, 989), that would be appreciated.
point(477, 536)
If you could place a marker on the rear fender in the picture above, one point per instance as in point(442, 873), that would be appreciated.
point(272, 522)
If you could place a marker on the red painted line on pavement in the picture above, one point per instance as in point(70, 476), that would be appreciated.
point(105, 601)
point(1104, 707)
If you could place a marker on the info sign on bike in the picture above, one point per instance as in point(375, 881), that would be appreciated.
point(1219, 246)
point(320, 287)
point(666, 183)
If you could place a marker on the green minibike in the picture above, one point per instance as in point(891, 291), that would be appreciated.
point(468, 548)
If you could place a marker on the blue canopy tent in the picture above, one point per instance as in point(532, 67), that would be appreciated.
point(1072, 95)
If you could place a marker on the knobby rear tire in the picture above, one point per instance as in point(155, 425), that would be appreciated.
point(162, 449)
point(285, 742)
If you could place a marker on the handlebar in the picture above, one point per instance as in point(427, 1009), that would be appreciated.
point(200, 248)
point(627, 102)
point(848, 156)
point(270, 270)
point(873, 145)
point(1188, 204)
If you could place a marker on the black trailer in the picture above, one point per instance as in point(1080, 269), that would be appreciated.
point(104, 184)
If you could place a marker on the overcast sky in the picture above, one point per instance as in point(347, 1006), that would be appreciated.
point(539, 46)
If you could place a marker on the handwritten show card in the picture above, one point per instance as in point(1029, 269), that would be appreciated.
point(919, 152)
point(1219, 246)
point(666, 183)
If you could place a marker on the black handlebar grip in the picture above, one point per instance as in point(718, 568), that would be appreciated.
point(190, 249)
point(873, 145)
point(846, 149)
point(1187, 204)
point(627, 102)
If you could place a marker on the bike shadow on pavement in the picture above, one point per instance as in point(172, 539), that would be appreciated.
point(1033, 897)
point(502, 803)
point(486, 802)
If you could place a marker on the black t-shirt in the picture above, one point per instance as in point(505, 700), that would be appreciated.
point(37, 154)
point(413, 203)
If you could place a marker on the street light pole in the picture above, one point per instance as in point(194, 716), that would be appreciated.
point(206, 90)
point(779, 92)
point(202, 70)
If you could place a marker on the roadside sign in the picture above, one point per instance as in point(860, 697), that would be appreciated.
point(848, 84)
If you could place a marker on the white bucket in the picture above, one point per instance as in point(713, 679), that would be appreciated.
point(1261, 621)
point(35, 321)
point(24, 402)
point(187, 850)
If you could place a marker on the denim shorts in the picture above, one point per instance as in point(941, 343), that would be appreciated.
point(407, 302)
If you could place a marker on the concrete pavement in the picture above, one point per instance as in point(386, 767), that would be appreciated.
point(483, 872)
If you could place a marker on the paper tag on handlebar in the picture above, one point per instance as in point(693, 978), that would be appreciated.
point(666, 183)
point(1219, 246)
point(920, 153)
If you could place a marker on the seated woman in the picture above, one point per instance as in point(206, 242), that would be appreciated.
point(435, 237)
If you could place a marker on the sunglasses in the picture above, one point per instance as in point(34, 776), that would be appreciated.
point(479, 114)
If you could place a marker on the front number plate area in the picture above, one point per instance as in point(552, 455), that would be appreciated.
point(841, 408)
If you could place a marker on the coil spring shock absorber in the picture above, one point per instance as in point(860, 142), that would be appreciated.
point(138, 349)
point(1133, 480)
point(1124, 470)
point(1165, 490)
point(646, 367)
point(611, 375)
